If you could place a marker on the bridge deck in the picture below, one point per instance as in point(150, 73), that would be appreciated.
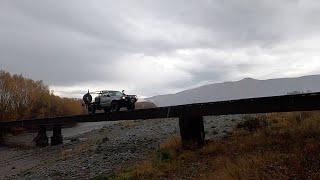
point(287, 103)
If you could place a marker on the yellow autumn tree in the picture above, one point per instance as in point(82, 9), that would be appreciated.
point(22, 98)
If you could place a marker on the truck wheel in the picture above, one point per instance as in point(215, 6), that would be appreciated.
point(131, 107)
point(114, 106)
point(87, 98)
point(91, 109)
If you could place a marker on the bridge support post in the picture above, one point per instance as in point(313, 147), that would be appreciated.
point(191, 131)
point(1, 136)
point(41, 139)
point(57, 138)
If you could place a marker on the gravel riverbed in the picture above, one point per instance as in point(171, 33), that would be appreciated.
point(103, 150)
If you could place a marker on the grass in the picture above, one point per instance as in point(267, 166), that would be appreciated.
point(272, 146)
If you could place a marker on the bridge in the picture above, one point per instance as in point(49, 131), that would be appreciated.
point(190, 116)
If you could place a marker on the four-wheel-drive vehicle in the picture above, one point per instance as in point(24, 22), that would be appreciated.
point(109, 101)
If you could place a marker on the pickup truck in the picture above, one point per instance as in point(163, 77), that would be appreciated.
point(109, 101)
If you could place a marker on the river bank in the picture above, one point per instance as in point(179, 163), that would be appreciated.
point(94, 149)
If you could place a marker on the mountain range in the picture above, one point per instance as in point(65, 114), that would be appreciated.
point(245, 88)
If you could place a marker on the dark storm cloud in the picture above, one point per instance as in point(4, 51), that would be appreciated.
point(152, 47)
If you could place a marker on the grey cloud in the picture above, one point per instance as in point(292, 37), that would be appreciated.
point(77, 43)
point(236, 23)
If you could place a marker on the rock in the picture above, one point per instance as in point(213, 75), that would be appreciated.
point(83, 139)
point(215, 132)
point(74, 139)
point(68, 150)
point(105, 139)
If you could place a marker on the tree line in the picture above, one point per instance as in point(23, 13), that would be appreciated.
point(22, 98)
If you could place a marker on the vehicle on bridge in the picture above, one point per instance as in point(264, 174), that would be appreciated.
point(109, 101)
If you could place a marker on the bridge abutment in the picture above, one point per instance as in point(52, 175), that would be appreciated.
point(41, 139)
point(57, 138)
point(191, 131)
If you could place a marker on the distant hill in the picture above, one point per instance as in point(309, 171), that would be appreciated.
point(145, 105)
point(245, 88)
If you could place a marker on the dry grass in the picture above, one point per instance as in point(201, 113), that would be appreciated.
point(272, 146)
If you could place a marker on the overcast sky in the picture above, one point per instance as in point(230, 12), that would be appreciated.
point(156, 47)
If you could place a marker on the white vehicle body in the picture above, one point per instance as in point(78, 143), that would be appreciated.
point(109, 100)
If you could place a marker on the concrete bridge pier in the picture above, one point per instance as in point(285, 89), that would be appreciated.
point(57, 138)
point(191, 131)
point(41, 139)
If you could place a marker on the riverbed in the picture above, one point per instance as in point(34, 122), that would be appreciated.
point(92, 149)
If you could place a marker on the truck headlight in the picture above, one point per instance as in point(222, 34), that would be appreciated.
point(123, 97)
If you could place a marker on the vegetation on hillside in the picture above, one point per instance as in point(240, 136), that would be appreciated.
point(25, 98)
point(272, 146)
